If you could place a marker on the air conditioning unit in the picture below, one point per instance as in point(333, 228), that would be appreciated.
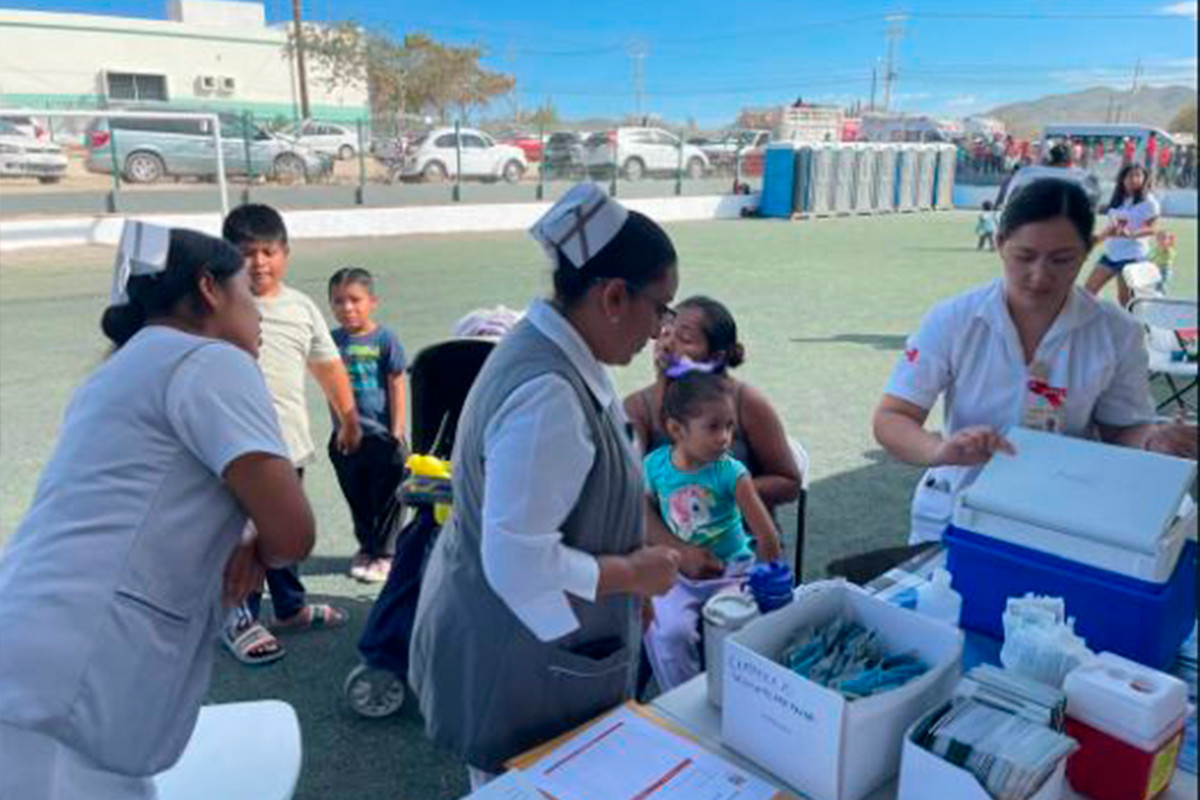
point(228, 84)
point(206, 83)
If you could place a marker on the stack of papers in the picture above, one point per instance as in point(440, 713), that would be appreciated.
point(1002, 728)
point(1007, 691)
point(625, 756)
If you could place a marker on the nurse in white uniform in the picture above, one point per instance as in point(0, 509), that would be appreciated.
point(111, 587)
point(1031, 349)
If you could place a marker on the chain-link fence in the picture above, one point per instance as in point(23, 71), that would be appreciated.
point(105, 165)
point(168, 164)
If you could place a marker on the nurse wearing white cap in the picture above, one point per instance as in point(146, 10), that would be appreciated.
point(111, 588)
point(529, 618)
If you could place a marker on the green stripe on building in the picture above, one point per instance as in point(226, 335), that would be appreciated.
point(262, 112)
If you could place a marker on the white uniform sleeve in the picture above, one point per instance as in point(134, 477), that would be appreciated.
point(219, 406)
point(1127, 400)
point(538, 453)
point(923, 370)
point(322, 347)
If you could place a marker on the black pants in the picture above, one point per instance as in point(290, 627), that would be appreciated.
point(369, 478)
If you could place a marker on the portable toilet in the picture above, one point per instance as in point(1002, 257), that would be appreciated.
point(906, 178)
point(864, 178)
point(779, 175)
point(824, 180)
point(803, 183)
point(926, 171)
point(847, 171)
point(885, 179)
point(947, 163)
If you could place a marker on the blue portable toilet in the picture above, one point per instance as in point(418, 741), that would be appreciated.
point(779, 180)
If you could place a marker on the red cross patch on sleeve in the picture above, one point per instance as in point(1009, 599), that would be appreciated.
point(910, 355)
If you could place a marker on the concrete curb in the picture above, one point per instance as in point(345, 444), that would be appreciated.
point(338, 223)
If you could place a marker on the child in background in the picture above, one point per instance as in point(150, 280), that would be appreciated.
point(294, 338)
point(370, 475)
point(1163, 254)
point(985, 227)
point(701, 494)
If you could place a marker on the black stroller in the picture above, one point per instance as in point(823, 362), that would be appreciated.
point(440, 379)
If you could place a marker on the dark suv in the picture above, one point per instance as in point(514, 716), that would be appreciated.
point(563, 156)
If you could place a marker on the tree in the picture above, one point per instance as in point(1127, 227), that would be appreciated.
point(414, 75)
point(546, 116)
point(1185, 120)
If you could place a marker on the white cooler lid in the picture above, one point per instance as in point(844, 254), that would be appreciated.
point(1082, 488)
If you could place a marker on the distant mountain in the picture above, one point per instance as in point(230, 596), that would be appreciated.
point(1148, 106)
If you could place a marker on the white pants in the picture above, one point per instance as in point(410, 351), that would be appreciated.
point(34, 766)
point(673, 641)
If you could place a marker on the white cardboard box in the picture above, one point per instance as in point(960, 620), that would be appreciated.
point(812, 737)
point(925, 776)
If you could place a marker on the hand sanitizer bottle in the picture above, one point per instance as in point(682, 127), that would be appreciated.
point(938, 600)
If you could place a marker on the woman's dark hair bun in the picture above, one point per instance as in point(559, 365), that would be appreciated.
point(121, 322)
point(736, 355)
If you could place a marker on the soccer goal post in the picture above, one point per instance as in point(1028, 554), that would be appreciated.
point(212, 120)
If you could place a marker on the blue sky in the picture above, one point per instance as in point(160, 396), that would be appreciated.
point(708, 58)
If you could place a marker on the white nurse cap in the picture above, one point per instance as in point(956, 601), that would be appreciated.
point(580, 224)
point(142, 251)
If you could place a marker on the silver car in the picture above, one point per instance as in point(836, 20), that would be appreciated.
point(23, 156)
point(148, 150)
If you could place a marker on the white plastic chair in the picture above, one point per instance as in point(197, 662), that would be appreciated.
point(801, 456)
point(1144, 279)
point(1163, 317)
point(238, 751)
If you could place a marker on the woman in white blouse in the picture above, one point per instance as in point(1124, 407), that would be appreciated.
point(1030, 349)
point(529, 621)
point(111, 588)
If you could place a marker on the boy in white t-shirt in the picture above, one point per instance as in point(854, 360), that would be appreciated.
point(1132, 215)
point(295, 339)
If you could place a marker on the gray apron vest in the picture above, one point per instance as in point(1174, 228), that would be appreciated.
point(488, 688)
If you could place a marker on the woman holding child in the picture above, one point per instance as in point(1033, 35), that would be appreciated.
point(702, 334)
point(530, 613)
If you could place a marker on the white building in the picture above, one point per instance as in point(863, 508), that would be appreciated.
point(210, 54)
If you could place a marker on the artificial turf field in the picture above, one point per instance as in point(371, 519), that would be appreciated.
point(823, 308)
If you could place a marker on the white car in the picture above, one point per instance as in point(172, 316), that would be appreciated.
point(23, 156)
point(642, 151)
point(339, 141)
point(435, 157)
point(27, 126)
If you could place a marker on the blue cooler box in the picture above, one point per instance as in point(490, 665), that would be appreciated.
point(1138, 619)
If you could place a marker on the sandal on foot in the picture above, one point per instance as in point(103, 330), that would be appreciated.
point(253, 645)
point(313, 617)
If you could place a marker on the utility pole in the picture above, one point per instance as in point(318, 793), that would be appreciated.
point(1133, 87)
point(637, 53)
point(874, 79)
point(301, 76)
point(895, 32)
point(510, 57)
